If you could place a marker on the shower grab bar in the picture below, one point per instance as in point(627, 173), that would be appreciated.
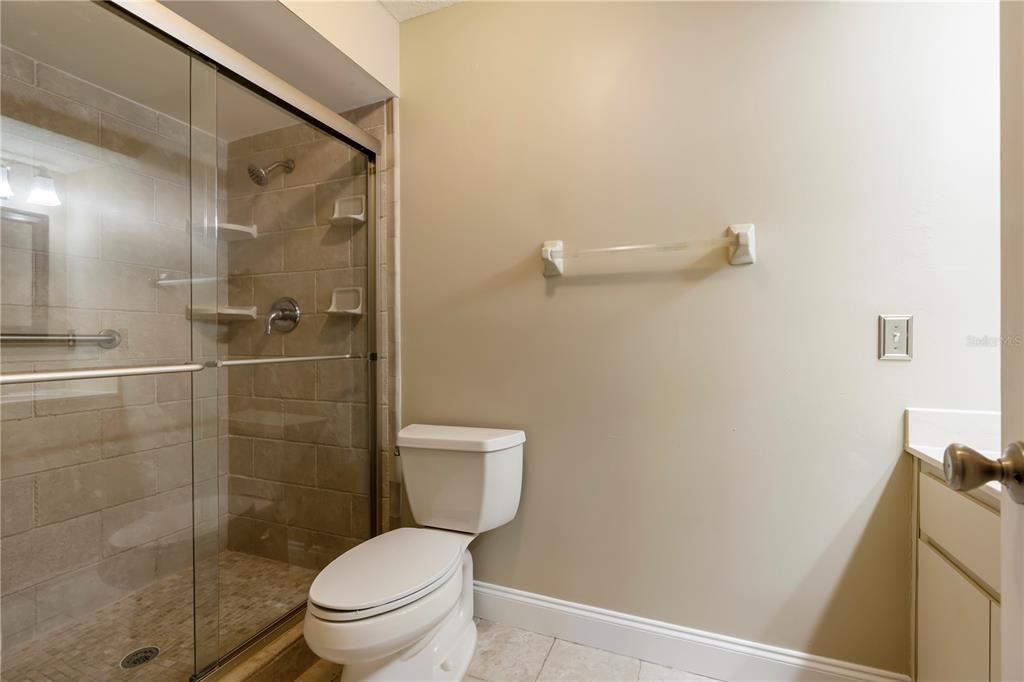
point(106, 338)
point(142, 370)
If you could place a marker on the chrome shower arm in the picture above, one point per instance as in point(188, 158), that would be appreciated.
point(288, 164)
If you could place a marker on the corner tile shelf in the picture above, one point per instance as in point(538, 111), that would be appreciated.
point(230, 232)
point(346, 302)
point(224, 313)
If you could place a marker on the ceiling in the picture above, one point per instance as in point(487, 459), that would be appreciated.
point(403, 10)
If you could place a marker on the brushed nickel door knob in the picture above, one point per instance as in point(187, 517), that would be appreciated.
point(966, 469)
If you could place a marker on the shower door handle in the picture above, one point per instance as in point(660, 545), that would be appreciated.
point(966, 469)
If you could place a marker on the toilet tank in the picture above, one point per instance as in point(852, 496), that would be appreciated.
point(462, 478)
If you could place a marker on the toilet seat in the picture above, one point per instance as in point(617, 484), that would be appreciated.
point(386, 573)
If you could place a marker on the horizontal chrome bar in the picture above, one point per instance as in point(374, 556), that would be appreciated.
point(112, 372)
point(106, 338)
point(279, 360)
point(99, 373)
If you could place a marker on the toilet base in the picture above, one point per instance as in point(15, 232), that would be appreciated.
point(443, 655)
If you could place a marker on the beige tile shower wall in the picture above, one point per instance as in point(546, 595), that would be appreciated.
point(96, 475)
point(712, 446)
point(381, 121)
point(299, 459)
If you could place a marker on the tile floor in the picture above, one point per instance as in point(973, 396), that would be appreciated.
point(256, 590)
point(505, 654)
point(253, 592)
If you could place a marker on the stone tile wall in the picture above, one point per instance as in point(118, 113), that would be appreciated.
point(381, 121)
point(299, 465)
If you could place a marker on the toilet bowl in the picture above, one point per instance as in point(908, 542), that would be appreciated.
point(400, 605)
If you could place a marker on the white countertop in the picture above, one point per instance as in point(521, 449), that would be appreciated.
point(927, 433)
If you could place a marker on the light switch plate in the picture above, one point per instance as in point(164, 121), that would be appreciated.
point(895, 337)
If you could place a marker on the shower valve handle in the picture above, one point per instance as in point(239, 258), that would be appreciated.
point(284, 316)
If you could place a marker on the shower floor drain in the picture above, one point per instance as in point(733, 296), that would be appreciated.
point(140, 657)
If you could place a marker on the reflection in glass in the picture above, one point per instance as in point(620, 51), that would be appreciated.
point(96, 474)
point(44, 191)
point(5, 183)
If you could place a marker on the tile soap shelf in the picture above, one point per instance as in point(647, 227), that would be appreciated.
point(346, 301)
point(349, 209)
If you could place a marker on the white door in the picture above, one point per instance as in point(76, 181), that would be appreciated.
point(1012, 514)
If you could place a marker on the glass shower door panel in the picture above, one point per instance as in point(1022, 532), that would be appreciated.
point(294, 204)
point(95, 261)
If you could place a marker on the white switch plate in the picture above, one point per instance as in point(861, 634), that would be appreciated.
point(895, 337)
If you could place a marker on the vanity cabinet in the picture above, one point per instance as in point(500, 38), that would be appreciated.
point(957, 623)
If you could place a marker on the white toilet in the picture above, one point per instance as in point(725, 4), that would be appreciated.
point(400, 605)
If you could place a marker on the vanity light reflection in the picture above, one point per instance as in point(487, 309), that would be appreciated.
point(5, 183)
point(44, 191)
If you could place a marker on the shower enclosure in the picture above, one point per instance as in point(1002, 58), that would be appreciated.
point(187, 343)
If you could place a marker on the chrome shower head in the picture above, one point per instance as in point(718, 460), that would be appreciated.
point(259, 175)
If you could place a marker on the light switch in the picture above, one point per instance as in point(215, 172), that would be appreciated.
point(894, 337)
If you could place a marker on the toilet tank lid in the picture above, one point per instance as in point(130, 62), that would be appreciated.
point(467, 438)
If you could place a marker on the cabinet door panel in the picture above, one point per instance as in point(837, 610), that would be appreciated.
point(965, 529)
point(952, 622)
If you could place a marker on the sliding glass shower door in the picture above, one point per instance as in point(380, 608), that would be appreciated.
point(97, 474)
point(186, 310)
point(289, 326)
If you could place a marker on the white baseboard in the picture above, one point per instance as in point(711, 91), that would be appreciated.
point(675, 646)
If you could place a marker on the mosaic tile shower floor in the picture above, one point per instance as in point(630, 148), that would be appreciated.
point(253, 592)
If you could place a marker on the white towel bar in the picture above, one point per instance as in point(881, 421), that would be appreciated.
point(741, 241)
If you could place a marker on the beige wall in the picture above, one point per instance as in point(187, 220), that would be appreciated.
point(716, 447)
point(362, 29)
